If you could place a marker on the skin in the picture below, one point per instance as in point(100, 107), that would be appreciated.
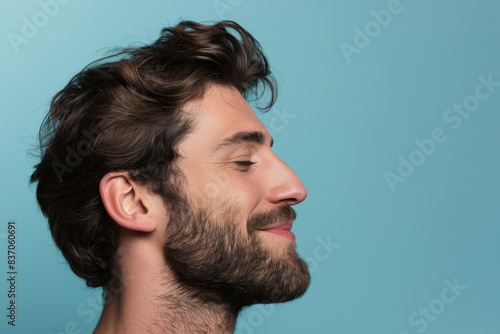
point(213, 176)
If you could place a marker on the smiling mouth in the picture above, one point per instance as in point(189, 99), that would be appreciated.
point(282, 230)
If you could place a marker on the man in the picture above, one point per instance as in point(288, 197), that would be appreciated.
point(160, 186)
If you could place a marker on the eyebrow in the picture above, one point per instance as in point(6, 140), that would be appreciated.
point(242, 137)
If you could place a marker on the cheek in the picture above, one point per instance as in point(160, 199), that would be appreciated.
point(246, 197)
point(212, 188)
point(246, 192)
point(228, 186)
point(241, 194)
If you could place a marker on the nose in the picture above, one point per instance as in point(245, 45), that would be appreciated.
point(284, 187)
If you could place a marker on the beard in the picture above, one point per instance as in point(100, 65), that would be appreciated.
point(215, 261)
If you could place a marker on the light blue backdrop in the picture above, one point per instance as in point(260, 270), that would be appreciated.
point(389, 113)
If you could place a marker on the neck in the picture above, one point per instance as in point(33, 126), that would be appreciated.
point(151, 300)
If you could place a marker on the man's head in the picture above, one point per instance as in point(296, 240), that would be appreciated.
point(170, 121)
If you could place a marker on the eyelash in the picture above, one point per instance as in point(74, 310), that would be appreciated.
point(244, 163)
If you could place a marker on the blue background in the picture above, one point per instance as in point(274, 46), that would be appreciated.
point(352, 119)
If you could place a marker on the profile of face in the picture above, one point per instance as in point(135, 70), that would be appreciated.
point(228, 236)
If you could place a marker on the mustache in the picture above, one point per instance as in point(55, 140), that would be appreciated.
point(266, 218)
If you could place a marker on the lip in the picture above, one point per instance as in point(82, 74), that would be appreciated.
point(280, 227)
point(282, 230)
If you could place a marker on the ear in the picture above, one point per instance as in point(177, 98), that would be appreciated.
point(127, 202)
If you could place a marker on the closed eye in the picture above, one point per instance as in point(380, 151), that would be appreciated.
point(245, 163)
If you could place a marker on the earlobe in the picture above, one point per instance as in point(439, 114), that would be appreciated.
point(127, 202)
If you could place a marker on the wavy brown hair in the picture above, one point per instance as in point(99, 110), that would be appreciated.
point(124, 112)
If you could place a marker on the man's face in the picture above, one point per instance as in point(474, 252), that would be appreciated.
point(229, 235)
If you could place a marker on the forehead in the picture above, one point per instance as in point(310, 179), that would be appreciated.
point(221, 112)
